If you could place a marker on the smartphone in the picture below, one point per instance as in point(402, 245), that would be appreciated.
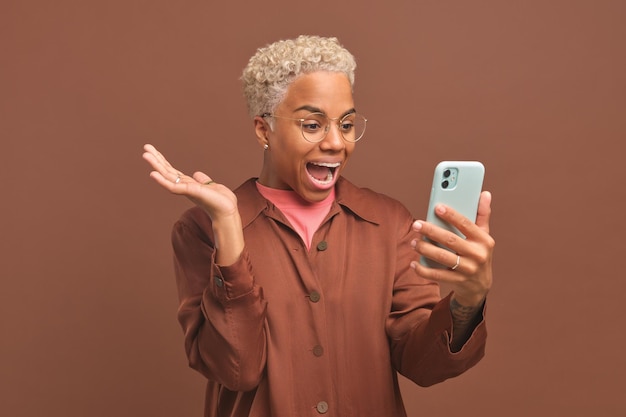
point(456, 184)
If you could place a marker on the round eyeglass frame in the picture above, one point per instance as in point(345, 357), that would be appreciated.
point(337, 119)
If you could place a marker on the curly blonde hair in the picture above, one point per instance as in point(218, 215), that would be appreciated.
point(274, 67)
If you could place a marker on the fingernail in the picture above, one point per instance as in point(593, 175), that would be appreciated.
point(441, 209)
point(417, 225)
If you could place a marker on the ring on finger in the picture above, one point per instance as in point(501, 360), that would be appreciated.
point(456, 265)
point(209, 182)
point(177, 179)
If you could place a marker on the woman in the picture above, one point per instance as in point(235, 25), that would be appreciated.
point(300, 293)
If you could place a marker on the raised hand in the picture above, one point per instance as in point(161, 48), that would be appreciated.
point(217, 200)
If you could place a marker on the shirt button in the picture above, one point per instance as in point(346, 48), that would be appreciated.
point(314, 296)
point(322, 407)
point(219, 282)
point(318, 350)
point(323, 245)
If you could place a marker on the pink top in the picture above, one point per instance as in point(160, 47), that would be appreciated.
point(305, 217)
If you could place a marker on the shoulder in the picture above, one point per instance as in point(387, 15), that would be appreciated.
point(371, 205)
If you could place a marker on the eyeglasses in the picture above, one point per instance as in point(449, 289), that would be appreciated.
point(315, 126)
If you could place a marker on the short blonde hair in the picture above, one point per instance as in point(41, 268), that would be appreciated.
point(274, 67)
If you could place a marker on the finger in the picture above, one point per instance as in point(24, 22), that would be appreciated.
point(166, 183)
point(437, 234)
point(161, 165)
point(149, 148)
point(443, 257)
point(440, 275)
point(181, 185)
point(155, 155)
point(171, 175)
point(467, 227)
point(457, 264)
point(203, 178)
point(484, 211)
point(443, 246)
point(450, 215)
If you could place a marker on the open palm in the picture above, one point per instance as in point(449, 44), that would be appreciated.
point(216, 199)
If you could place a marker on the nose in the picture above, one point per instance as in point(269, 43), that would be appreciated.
point(333, 139)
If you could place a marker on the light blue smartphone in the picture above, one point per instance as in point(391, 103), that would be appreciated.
point(456, 184)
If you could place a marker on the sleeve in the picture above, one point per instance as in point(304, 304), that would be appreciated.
point(420, 326)
point(222, 311)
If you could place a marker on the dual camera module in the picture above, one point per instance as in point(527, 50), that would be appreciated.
point(449, 178)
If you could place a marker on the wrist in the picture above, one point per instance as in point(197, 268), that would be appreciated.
point(474, 301)
point(229, 242)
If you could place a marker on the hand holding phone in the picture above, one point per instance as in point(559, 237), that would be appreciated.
point(456, 184)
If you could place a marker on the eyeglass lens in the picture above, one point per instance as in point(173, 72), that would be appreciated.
point(315, 127)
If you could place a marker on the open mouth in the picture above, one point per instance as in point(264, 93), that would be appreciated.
point(322, 172)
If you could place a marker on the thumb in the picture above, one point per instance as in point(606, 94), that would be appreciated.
point(201, 177)
point(484, 211)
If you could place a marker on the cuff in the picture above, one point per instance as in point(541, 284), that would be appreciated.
point(234, 280)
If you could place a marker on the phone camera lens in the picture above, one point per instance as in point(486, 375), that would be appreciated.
point(445, 184)
point(446, 173)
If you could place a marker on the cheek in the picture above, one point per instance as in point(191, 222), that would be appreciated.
point(292, 159)
point(349, 149)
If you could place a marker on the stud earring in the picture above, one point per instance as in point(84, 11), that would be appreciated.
point(266, 146)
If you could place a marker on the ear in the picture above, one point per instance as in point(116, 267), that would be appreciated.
point(262, 130)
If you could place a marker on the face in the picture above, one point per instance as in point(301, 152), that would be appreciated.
point(292, 163)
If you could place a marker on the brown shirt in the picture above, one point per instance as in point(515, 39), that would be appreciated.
point(287, 332)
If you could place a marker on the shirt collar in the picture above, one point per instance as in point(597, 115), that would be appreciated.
point(358, 201)
point(349, 196)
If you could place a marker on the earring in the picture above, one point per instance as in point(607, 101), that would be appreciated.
point(266, 146)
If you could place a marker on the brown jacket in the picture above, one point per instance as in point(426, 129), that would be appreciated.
point(287, 332)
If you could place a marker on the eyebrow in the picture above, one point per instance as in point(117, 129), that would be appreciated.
point(318, 110)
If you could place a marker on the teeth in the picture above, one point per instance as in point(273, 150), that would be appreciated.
point(326, 164)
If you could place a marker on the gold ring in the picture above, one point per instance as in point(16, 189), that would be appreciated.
point(209, 182)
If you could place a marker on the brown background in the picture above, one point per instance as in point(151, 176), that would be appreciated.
point(534, 89)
